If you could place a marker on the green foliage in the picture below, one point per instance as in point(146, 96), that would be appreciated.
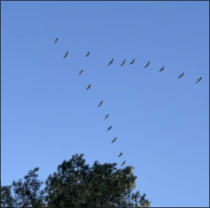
point(76, 184)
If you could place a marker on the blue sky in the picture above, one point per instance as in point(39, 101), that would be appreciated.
point(162, 123)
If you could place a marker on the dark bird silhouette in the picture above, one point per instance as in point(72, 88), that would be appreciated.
point(106, 116)
point(66, 54)
point(161, 69)
point(109, 128)
point(123, 163)
point(120, 154)
point(80, 72)
point(147, 64)
point(113, 140)
point(181, 75)
point(111, 62)
point(198, 80)
point(132, 61)
point(88, 53)
point(88, 87)
point(123, 62)
point(100, 103)
point(56, 40)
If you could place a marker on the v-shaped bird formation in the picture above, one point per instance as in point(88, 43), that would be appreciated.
point(162, 68)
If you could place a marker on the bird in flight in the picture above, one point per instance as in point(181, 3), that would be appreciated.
point(109, 128)
point(113, 140)
point(111, 62)
point(56, 40)
point(106, 116)
point(132, 61)
point(100, 103)
point(181, 75)
point(123, 163)
point(88, 53)
point(120, 154)
point(123, 62)
point(198, 80)
point(88, 87)
point(80, 72)
point(161, 69)
point(66, 54)
point(147, 64)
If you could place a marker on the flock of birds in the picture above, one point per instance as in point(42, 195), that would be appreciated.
point(101, 102)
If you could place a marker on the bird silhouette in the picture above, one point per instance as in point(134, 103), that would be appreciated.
point(123, 163)
point(147, 64)
point(161, 69)
point(111, 62)
point(181, 75)
point(88, 87)
point(113, 140)
point(56, 40)
point(120, 154)
point(132, 61)
point(100, 103)
point(106, 116)
point(66, 54)
point(88, 53)
point(80, 72)
point(123, 62)
point(198, 80)
point(109, 128)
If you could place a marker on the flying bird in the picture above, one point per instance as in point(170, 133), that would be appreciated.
point(181, 75)
point(132, 61)
point(147, 64)
point(109, 128)
point(161, 69)
point(198, 80)
point(123, 163)
point(100, 103)
point(66, 54)
point(120, 154)
point(80, 72)
point(88, 87)
point(56, 40)
point(111, 62)
point(113, 140)
point(106, 116)
point(123, 62)
point(88, 53)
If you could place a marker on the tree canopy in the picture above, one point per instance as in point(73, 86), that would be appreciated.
point(76, 184)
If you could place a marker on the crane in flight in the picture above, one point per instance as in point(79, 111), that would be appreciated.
point(123, 62)
point(198, 80)
point(106, 116)
point(88, 87)
point(147, 64)
point(113, 140)
point(56, 40)
point(109, 128)
point(132, 61)
point(123, 163)
point(181, 75)
point(66, 54)
point(111, 62)
point(120, 154)
point(100, 103)
point(80, 72)
point(161, 69)
point(88, 53)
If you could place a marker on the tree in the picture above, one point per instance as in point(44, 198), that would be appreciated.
point(27, 192)
point(6, 197)
point(76, 184)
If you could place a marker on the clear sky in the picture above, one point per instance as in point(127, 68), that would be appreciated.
point(161, 122)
